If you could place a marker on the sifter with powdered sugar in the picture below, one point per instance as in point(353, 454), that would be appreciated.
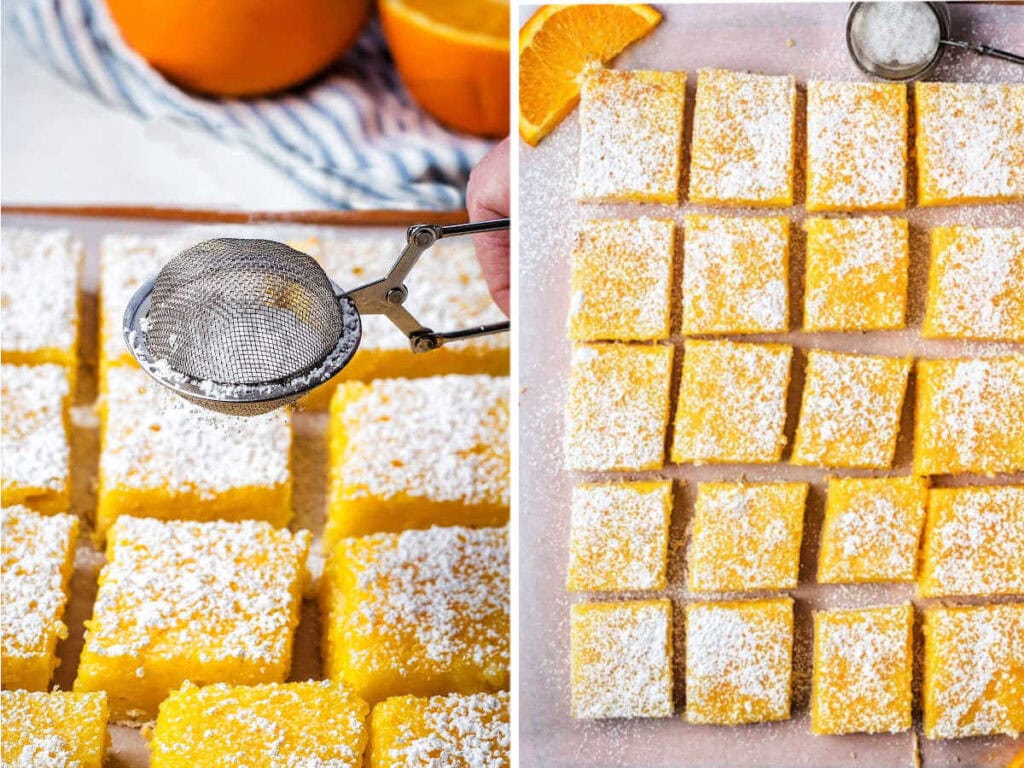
point(903, 41)
point(246, 326)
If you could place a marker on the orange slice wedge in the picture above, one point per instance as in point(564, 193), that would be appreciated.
point(557, 44)
point(454, 57)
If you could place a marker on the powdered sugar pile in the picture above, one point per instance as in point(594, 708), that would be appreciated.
point(896, 34)
point(460, 731)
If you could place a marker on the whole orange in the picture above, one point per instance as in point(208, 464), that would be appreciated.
point(453, 56)
point(239, 47)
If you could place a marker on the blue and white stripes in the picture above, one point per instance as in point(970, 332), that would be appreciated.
point(354, 139)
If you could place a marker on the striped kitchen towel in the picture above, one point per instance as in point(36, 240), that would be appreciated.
point(353, 138)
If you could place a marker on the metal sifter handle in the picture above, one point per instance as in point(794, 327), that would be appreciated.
point(387, 295)
point(985, 50)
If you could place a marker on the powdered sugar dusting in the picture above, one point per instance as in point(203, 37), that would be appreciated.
point(51, 730)
point(738, 661)
point(974, 542)
point(970, 143)
point(978, 653)
point(621, 659)
point(746, 537)
point(441, 438)
point(225, 590)
point(732, 402)
point(850, 415)
point(970, 415)
point(445, 590)
point(631, 135)
point(872, 534)
point(39, 275)
point(622, 280)
point(743, 138)
point(977, 284)
point(154, 439)
point(856, 274)
point(862, 670)
point(35, 550)
point(736, 275)
point(856, 145)
point(36, 454)
point(619, 536)
point(458, 731)
point(617, 411)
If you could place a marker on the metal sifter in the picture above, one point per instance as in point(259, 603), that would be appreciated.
point(247, 326)
point(904, 41)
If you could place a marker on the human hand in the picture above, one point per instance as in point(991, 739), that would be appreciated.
point(488, 197)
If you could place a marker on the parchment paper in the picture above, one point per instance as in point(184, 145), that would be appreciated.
point(805, 40)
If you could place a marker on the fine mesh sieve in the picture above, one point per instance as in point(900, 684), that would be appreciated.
point(904, 41)
point(242, 312)
point(246, 326)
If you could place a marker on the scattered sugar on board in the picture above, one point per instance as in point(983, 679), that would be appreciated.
point(197, 581)
point(156, 439)
point(34, 548)
point(39, 274)
point(36, 452)
point(440, 585)
point(443, 438)
point(464, 731)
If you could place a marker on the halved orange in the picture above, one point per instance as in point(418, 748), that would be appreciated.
point(454, 57)
point(557, 44)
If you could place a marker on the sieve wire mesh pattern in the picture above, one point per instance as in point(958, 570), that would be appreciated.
point(893, 41)
point(242, 312)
